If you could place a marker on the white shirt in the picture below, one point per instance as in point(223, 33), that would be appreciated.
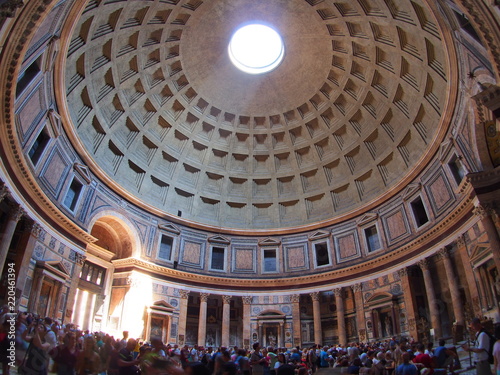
point(482, 342)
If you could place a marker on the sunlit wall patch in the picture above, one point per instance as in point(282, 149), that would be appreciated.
point(256, 48)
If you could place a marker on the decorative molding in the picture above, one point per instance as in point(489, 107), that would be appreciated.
point(83, 171)
point(295, 298)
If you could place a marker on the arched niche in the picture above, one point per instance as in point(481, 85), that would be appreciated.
point(116, 234)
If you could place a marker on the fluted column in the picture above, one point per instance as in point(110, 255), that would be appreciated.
point(181, 330)
point(226, 309)
point(469, 277)
point(458, 309)
point(360, 311)
point(318, 339)
point(202, 323)
point(409, 297)
point(22, 269)
point(15, 214)
point(484, 213)
point(297, 333)
point(431, 298)
point(247, 304)
point(339, 302)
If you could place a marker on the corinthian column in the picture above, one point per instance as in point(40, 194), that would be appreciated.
point(409, 302)
point(431, 297)
point(15, 214)
point(317, 317)
point(458, 309)
point(181, 332)
point(247, 304)
point(360, 311)
point(202, 324)
point(226, 309)
point(474, 302)
point(297, 334)
point(339, 302)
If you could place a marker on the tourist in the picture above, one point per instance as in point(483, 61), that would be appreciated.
point(481, 348)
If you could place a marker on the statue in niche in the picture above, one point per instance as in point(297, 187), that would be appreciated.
point(388, 325)
point(271, 338)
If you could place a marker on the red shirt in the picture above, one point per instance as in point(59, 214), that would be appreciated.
point(425, 360)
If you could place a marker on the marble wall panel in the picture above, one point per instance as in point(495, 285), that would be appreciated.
point(347, 246)
point(439, 192)
point(55, 171)
point(396, 225)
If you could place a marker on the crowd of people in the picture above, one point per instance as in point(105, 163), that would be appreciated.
point(44, 345)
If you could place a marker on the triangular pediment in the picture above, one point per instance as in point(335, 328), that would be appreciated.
point(83, 171)
point(444, 149)
point(479, 252)
point(411, 190)
point(55, 128)
point(219, 239)
point(169, 228)
point(380, 299)
point(55, 268)
point(269, 242)
point(161, 306)
point(368, 217)
point(318, 235)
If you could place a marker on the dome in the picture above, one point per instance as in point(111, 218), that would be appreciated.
point(348, 118)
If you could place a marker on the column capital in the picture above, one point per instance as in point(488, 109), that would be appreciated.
point(423, 264)
point(184, 293)
point(295, 298)
point(403, 272)
point(4, 191)
point(356, 287)
point(79, 258)
point(226, 299)
point(483, 211)
point(204, 297)
point(314, 296)
point(16, 212)
point(460, 241)
point(338, 292)
point(247, 300)
point(34, 228)
point(443, 253)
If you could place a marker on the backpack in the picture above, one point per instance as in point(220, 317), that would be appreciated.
point(492, 343)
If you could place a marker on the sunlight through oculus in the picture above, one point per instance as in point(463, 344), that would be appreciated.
point(256, 49)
